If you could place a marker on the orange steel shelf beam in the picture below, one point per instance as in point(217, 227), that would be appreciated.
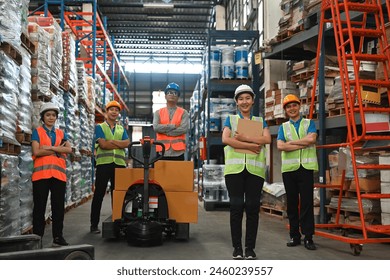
point(102, 38)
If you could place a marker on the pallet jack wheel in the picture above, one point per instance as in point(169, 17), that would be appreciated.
point(78, 255)
point(356, 249)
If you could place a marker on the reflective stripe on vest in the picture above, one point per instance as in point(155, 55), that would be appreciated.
point(49, 166)
point(178, 143)
point(236, 162)
point(116, 156)
point(307, 157)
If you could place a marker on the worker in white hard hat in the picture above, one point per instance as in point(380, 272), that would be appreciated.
point(244, 172)
point(111, 140)
point(171, 124)
point(296, 141)
point(49, 149)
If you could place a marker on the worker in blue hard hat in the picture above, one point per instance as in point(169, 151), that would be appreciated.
point(171, 124)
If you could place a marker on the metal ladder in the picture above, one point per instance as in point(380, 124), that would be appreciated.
point(353, 23)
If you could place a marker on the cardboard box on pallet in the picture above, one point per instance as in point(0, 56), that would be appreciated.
point(336, 176)
point(367, 184)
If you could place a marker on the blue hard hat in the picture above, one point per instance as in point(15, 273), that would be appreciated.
point(172, 86)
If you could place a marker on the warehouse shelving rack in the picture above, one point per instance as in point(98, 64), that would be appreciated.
point(94, 46)
point(350, 34)
point(292, 48)
point(226, 88)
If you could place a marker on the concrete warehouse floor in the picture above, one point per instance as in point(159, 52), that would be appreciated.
point(209, 240)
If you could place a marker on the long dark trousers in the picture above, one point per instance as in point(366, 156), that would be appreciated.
point(244, 193)
point(41, 190)
point(299, 191)
point(104, 173)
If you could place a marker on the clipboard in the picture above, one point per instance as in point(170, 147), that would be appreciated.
point(251, 128)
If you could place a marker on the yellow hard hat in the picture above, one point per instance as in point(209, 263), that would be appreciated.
point(289, 99)
point(113, 103)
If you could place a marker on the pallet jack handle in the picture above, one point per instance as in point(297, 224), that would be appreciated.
point(146, 143)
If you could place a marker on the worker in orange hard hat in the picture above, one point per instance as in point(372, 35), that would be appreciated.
point(289, 99)
point(111, 140)
point(296, 140)
point(113, 103)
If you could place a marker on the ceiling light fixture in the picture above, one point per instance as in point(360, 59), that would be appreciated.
point(158, 6)
point(159, 16)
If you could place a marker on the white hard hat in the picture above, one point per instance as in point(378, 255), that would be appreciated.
point(243, 89)
point(49, 106)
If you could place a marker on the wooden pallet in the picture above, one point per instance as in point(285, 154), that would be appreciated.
point(9, 149)
point(37, 95)
point(277, 121)
point(86, 153)
point(54, 89)
point(85, 105)
point(302, 76)
point(273, 211)
point(288, 33)
point(23, 138)
point(12, 52)
point(314, 117)
point(65, 86)
point(336, 112)
point(27, 43)
point(308, 100)
point(294, 30)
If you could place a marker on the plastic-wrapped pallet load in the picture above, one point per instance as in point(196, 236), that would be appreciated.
point(212, 181)
point(25, 186)
point(40, 60)
point(24, 113)
point(86, 179)
point(9, 75)
point(11, 21)
point(9, 196)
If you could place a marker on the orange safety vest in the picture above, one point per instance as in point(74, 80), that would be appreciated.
point(176, 142)
point(49, 166)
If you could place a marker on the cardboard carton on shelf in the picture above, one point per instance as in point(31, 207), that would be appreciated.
point(367, 184)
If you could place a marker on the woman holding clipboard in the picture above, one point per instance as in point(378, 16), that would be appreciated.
point(245, 137)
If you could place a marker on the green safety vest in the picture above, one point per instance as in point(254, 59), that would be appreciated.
point(236, 162)
point(109, 156)
point(307, 157)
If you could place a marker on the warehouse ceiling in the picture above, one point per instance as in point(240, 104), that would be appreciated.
point(169, 29)
point(142, 31)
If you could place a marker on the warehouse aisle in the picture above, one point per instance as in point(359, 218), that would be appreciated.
point(209, 240)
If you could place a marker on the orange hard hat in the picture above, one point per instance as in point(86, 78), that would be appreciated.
point(113, 103)
point(289, 99)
